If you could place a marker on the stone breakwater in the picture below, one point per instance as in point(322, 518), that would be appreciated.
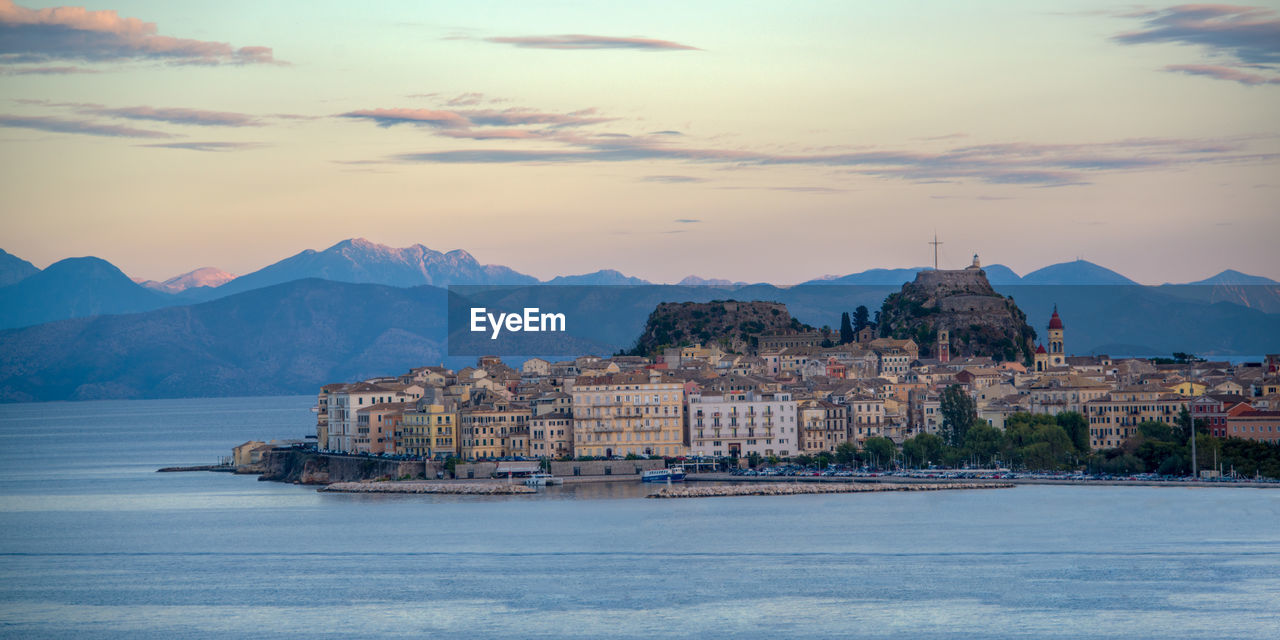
point(456, 488)
point(788, 489)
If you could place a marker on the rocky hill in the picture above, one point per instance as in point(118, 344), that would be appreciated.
point(729, 323)
point(981, 322)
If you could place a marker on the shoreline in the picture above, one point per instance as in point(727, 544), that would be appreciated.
point(725, 477)
point(774, 489)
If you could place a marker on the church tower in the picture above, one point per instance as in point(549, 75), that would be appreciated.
point(1057, 354)
point(1042, 359)
point(944, 346)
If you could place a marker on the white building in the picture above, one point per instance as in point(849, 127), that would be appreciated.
point(739, 423)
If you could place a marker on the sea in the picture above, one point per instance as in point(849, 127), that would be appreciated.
point(94, 543)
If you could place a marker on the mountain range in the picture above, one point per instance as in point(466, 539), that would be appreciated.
point(82, 329)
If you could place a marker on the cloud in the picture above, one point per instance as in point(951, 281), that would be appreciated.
point(672, 179)
point(87, 127)
point(1222, 73)
point(687, 220)
point(46, 71)
point(466, 99)
point(74, 33)
point(205, 146)
point(1029, 164)
point(579, 41)
point(391, 117)
point(177, 115)
point(1248, 34)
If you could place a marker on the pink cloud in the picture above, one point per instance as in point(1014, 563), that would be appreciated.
point(1222, 73)
point(580, 41)
point(75, 33)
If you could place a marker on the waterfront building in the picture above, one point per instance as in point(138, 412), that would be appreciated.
point(551, 435)
point(1254, 424)
point(639, 412)
point(822, 425)
point(740, 423)
point(1116, 416)
point(429, 431)
point(376, 426)
point(496, 430)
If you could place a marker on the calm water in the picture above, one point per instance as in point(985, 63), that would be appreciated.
point(93, 543)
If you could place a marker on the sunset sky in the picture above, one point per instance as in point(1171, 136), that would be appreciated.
point(752, 141)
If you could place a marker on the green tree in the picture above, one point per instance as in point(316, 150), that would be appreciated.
point(880, 450)
point(983, 442)
point(1077, 429)
point(754, 459)
point(846, 453)
point(923, 449)
point(959, 413)
point(861, 318)
point(846, 328)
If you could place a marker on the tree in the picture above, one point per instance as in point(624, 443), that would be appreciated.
point(959, 413)
point(1077, 429)
point(923, 449)
point(861, 317)
point(983, 442)
point(846, 329)
point(754, 459)
point(881, 450)
point(846, 453)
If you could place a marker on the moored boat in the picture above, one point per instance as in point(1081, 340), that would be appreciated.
point(674, 474)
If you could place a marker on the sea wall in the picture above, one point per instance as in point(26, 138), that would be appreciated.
point(477, 470)
point(308, 467)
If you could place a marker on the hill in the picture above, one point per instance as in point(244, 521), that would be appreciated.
point(211, 277)
point(729, 323)
point(1078, 272)
point(286, 339)
point(14, 269)
point(981, 322)
point(74, 288)
point(608, 277)
point(360, 261)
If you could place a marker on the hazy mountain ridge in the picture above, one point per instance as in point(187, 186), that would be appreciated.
point(74, 288)
point(14, 269)
point(211, 277)
point(290, 338)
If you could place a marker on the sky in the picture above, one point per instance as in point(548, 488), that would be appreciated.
point(775, 141)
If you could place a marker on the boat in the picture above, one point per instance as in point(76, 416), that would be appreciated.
point(542, 479)
point(674, 474)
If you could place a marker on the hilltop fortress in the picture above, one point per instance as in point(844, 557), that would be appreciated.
point(957, 312)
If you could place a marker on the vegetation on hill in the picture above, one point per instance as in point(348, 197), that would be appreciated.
point(980, 321)
point(731, 324)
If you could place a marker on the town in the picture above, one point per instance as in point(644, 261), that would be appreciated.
point(792, 399)
point(808, 396)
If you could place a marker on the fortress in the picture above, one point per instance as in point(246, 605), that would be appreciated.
point(956, 311)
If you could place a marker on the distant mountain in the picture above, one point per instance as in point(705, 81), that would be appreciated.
point(293, 337)
point(1079, 272)
point(601, 277)
point(695, 281)
point(203, 277)
point(1233, 277)
point(286, 339)
point(879, 277)
point(361, 261)
point(74, 288)
point(998, 274)
point(14, 269)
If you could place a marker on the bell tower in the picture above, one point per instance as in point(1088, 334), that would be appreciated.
point(1057, 353)
point(944, 346)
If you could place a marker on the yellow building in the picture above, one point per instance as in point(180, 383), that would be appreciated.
point(640, 412)
point(495, 430)
point(430, 432)
point(1116, 416)
point(1189, 389)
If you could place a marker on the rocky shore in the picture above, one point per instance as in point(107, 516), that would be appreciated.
point(455, 488)
point(779, 489)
